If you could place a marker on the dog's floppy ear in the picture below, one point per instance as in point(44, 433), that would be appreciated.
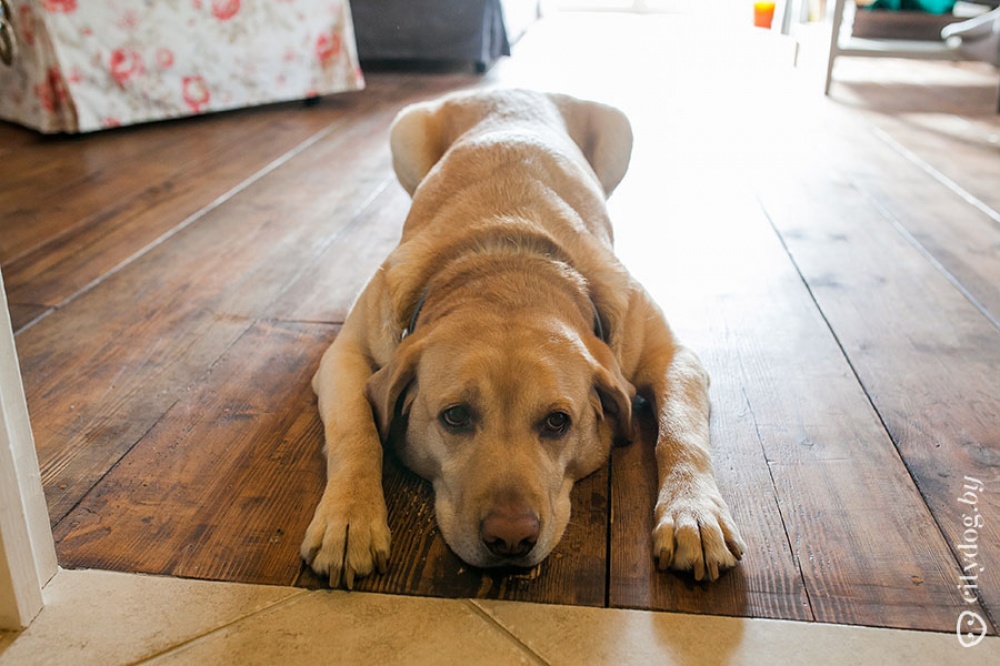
point(603, 134)
point(417, 143)
point(613, 393)
point(392, 381)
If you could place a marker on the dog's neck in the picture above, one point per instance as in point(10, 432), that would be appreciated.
point(534, 247)
point(598, 326)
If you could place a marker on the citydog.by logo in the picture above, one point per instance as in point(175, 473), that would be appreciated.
point(971, 626)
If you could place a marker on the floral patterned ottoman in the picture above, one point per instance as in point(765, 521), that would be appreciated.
point(79, 65)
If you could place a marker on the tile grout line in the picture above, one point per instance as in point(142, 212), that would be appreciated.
point(222, 627)
point(511, 636)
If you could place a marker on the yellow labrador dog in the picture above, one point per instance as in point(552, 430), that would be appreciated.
point(509, 340)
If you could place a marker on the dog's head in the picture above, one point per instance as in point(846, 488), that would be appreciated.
point(503, 417)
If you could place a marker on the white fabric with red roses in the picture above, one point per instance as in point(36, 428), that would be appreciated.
point(83, 66)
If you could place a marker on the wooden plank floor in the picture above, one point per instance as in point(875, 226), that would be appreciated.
point(835, 262)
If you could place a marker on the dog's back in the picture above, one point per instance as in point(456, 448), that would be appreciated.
point(537, 141)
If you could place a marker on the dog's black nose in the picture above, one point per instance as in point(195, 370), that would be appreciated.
point(509, 531)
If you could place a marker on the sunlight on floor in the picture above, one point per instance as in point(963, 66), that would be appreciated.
point(694, 85)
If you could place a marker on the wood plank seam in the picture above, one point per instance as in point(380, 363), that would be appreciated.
point(96, 485)
point(919, 162)
point(45, 312)
point(357, 219)
point(956, 557)
point(775, 495)
point(922, 249)
point(191, 219)
point(609, 534)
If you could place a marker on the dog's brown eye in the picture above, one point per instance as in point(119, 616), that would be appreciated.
point(556, 424)
point(456, 418)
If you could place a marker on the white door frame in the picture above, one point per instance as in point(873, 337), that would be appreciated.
point(27, 552)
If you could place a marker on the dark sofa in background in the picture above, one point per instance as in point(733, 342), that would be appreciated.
point(471, 31)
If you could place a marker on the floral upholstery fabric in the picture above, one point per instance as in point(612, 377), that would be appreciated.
point(83, 66)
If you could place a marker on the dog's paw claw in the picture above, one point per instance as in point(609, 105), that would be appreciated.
point(696, 534)
point(344, 543)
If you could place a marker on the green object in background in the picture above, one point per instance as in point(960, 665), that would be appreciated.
point(929, 6)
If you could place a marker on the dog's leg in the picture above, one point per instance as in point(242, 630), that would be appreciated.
point(349, 534)
point(693, 529)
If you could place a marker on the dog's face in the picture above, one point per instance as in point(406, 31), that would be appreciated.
point(503, 417)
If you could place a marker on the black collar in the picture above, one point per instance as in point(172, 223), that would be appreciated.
point(598, 326)
point(416, 313)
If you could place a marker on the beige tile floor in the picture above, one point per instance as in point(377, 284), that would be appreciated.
point(97, 617)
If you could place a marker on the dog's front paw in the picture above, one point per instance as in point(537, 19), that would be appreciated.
point(695, 532)
point(348, 537)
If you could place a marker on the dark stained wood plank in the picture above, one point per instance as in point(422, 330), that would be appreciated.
point(787, 412)
point(928, 359)
point(766, 583)
point(65, 181)
point(146, 332)
point(325, 292)
point(119, 229)
point(206, 175)
point(56, 180)
point(221, 487)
